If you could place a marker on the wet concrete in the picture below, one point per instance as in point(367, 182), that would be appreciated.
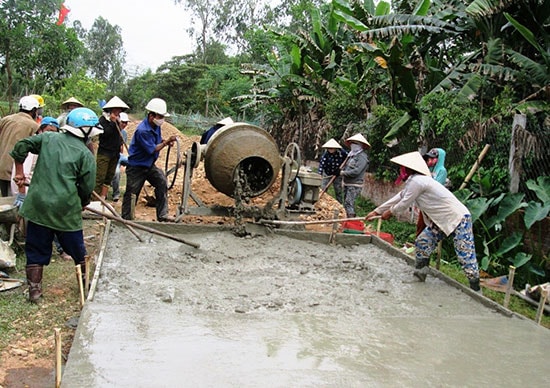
point(279, 312)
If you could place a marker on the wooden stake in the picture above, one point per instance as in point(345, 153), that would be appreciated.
point(509, 286)
point(542, 303)
point(438, 259)
point(57, 332)
point(143, 227)
point(379, 226)
point(87, 283)
point(80, 285)
point(332, 238)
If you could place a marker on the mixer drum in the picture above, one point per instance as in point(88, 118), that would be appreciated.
point(245, 147)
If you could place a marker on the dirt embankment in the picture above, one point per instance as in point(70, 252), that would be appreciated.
point(324, 208)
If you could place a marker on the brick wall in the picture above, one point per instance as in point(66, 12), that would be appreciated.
point(379, 192)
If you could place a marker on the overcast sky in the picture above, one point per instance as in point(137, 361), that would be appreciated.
point(153, 31)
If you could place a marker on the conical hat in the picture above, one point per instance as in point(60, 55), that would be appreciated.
point(116, 102)
point(71, 100)
point(414, 161)
point(359, 139)
point(331, 144)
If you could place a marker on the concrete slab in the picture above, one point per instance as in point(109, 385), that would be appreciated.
point(276, 311)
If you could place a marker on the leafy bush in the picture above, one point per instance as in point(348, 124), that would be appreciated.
point(500, 242)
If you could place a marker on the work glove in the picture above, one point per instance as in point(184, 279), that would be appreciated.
point(19, 199)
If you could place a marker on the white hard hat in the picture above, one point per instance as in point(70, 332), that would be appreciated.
point(116, 102)
point(414, 161)
point(124, 117)
point(28, 103)
point(358, 138)
point(157, 105)
point(331, 144)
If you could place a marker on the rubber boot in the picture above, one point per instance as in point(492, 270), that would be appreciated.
point(421, 273)
point(474, 285)
point(34, 280)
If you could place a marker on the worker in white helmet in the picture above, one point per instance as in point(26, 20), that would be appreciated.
point(143, 153)
point(13, 128)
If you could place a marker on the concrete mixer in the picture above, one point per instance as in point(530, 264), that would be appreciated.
point(242, 161)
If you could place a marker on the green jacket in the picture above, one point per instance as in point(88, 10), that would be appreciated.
point(62, 182)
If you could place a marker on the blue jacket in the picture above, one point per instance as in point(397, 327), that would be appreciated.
point(142, 147)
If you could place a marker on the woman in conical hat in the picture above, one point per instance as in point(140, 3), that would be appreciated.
point(445, 216)
point(353, 171)
point(329, 167)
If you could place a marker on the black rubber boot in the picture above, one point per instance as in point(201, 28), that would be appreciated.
point(34, 280)
point(474, 285)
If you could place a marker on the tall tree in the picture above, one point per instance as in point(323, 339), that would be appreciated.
point(35, 53)
point(105, 56)
point(204, 11)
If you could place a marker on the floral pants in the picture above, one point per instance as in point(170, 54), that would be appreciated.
point(463, 238)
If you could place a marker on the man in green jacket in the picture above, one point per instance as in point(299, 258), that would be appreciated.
point(62, 183)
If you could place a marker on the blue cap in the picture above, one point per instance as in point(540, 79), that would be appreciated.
point(49, 121)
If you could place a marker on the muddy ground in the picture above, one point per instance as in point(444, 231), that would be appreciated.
point(29, 362)
point(276, 311)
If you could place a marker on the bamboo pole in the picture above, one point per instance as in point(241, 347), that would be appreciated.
point(475, 166)
point(57, 332)
point(327, 186)
point(143, 227)
point(509, 286)
point(277, 222)
point(87, 269)
point(115, 213)
point(78, 269)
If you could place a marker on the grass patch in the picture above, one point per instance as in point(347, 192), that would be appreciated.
point(516, 304)
point(21, 319)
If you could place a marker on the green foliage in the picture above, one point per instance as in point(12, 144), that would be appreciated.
point(139, 90)
point(35, 53)
point(85, 89)
point(500, 237)
point(105, 54)
point(379, 153)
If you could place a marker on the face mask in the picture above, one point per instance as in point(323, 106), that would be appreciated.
point(158, 122)
point(356, 147)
